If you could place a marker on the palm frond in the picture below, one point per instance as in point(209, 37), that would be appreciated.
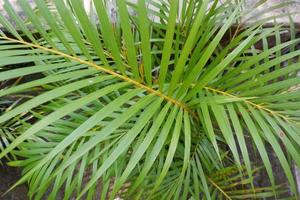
point(153, 105)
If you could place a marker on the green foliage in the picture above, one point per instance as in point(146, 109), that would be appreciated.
point(156, 105)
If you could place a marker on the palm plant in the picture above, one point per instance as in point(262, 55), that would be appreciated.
point(146, 107)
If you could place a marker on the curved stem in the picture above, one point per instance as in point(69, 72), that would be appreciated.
point(260, 107)
point(219, 188)
point(101, 68)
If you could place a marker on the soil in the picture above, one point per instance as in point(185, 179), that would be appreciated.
point(8, 176)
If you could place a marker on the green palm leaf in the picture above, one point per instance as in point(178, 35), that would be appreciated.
point(154, 105)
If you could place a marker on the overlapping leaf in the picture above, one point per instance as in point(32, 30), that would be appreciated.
point(153, 105)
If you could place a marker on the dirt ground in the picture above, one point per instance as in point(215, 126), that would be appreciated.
point(8, 176)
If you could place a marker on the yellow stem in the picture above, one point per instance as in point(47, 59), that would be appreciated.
point(108, 71)
point(219, 188)
point(250, 103)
